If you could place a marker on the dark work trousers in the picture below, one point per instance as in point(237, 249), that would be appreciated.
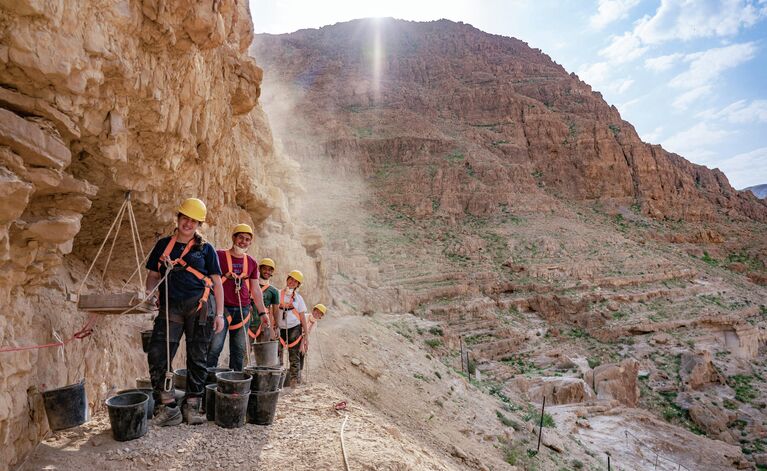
point(295, 357)
point(186, 320)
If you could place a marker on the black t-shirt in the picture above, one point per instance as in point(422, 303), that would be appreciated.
point(184, 285)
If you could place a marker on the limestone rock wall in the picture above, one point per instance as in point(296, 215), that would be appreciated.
point(100, 97)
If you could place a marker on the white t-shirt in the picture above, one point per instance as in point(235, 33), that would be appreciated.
point(292, 320)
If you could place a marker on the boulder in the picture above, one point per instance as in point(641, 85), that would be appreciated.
point(616, 381)
point(697, 371)
point(557, 390)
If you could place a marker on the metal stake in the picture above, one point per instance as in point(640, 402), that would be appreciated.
point(540, 426)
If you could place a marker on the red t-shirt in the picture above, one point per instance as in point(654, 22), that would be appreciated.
point(230, 294)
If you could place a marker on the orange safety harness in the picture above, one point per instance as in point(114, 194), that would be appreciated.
point(260, 325)
point(165, 258)
point(284, 306)
point(237, 278)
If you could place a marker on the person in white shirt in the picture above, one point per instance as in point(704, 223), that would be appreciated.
point(291, 322)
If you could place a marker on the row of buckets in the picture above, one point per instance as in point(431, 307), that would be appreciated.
point(232, 398)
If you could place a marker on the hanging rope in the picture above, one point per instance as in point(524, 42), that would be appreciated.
point(84, 331)
point(343, 445)
point(125, 208)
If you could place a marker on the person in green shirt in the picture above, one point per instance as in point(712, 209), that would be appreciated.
point(271, 301)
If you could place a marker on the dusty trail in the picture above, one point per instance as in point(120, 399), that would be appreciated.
point(305, 435)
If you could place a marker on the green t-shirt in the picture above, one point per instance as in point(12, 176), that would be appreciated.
point(271, 296)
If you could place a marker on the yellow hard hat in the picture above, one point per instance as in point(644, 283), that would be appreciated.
point(193, 208)
point(242, 228)
point(321, 308)
point(267, 262)
point(296, 275)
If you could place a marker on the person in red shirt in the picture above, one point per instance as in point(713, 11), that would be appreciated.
point(240, 281)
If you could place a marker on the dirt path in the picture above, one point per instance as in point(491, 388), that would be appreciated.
point(305, 435)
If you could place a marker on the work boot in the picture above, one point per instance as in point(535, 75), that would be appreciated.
point(191, 412)
point(166, 415)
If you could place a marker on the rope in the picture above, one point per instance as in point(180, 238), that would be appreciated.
point(657, 455)
point(168, 384)
point(343, 445)
point(93, 263)
point(237, 288)
point(119, 218)
point(136, 237)
point(85, 331)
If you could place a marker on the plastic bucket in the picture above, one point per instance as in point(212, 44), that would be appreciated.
point(179, 379)
point(210, 401)
point(211, 378)
point(231, 409)
point(146, 337)
point(66, 407)
point(233, 382)
point(266, 353)
point(127, 415)
point(149, 404)
point(262, 406)
point(266, 380)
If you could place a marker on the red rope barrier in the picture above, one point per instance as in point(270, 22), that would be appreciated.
point(86, 330)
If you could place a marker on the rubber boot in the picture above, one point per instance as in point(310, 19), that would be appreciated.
point(166, 415)
point(191, 412)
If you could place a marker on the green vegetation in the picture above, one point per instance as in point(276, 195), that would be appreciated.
point(534, 415)
point(506, 421)
point(433, 343)
point(363, 133)
point(711, 261)
point(421, 377)
point(498, 143)
point(520, 364)
point(617, 315)
point(744, 390)
point(477, 339)
point(577, 333)
point(436, 330)
point(614, 129)
point(455, 156)
point(593, 362)
point(621, 222)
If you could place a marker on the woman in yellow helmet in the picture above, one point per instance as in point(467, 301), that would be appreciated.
point(291, 321)
point(186, 308)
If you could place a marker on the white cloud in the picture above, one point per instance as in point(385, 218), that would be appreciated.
point(624, 48)
point(661, 63)
point(611, 10)
point(706, 66)
point(694, 143)
point(740, 112)
point(686, 20)
point(652, 136)
point(683, 101)
point(746, 169)
point(594, 74)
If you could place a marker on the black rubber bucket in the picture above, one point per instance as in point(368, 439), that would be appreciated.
point(179, 379)
point(127, 415)
point(66, 407)
point(233, 382)
point(146, 337)
point(210, 401)
point(231, 409)
point(266, 353)
point(211, 378)
point(262, 406)
point(149, 404)
point(266, 379)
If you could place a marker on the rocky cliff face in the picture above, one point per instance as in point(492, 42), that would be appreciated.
point(476, 120)
point(102, 97)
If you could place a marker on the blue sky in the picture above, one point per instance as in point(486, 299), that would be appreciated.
point(689, 75)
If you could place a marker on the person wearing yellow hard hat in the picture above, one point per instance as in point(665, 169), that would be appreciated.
point(187, 270)
point(291, 321)
point(270, 294)
point(241, 296)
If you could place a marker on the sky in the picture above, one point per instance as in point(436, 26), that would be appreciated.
point(690, 75)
